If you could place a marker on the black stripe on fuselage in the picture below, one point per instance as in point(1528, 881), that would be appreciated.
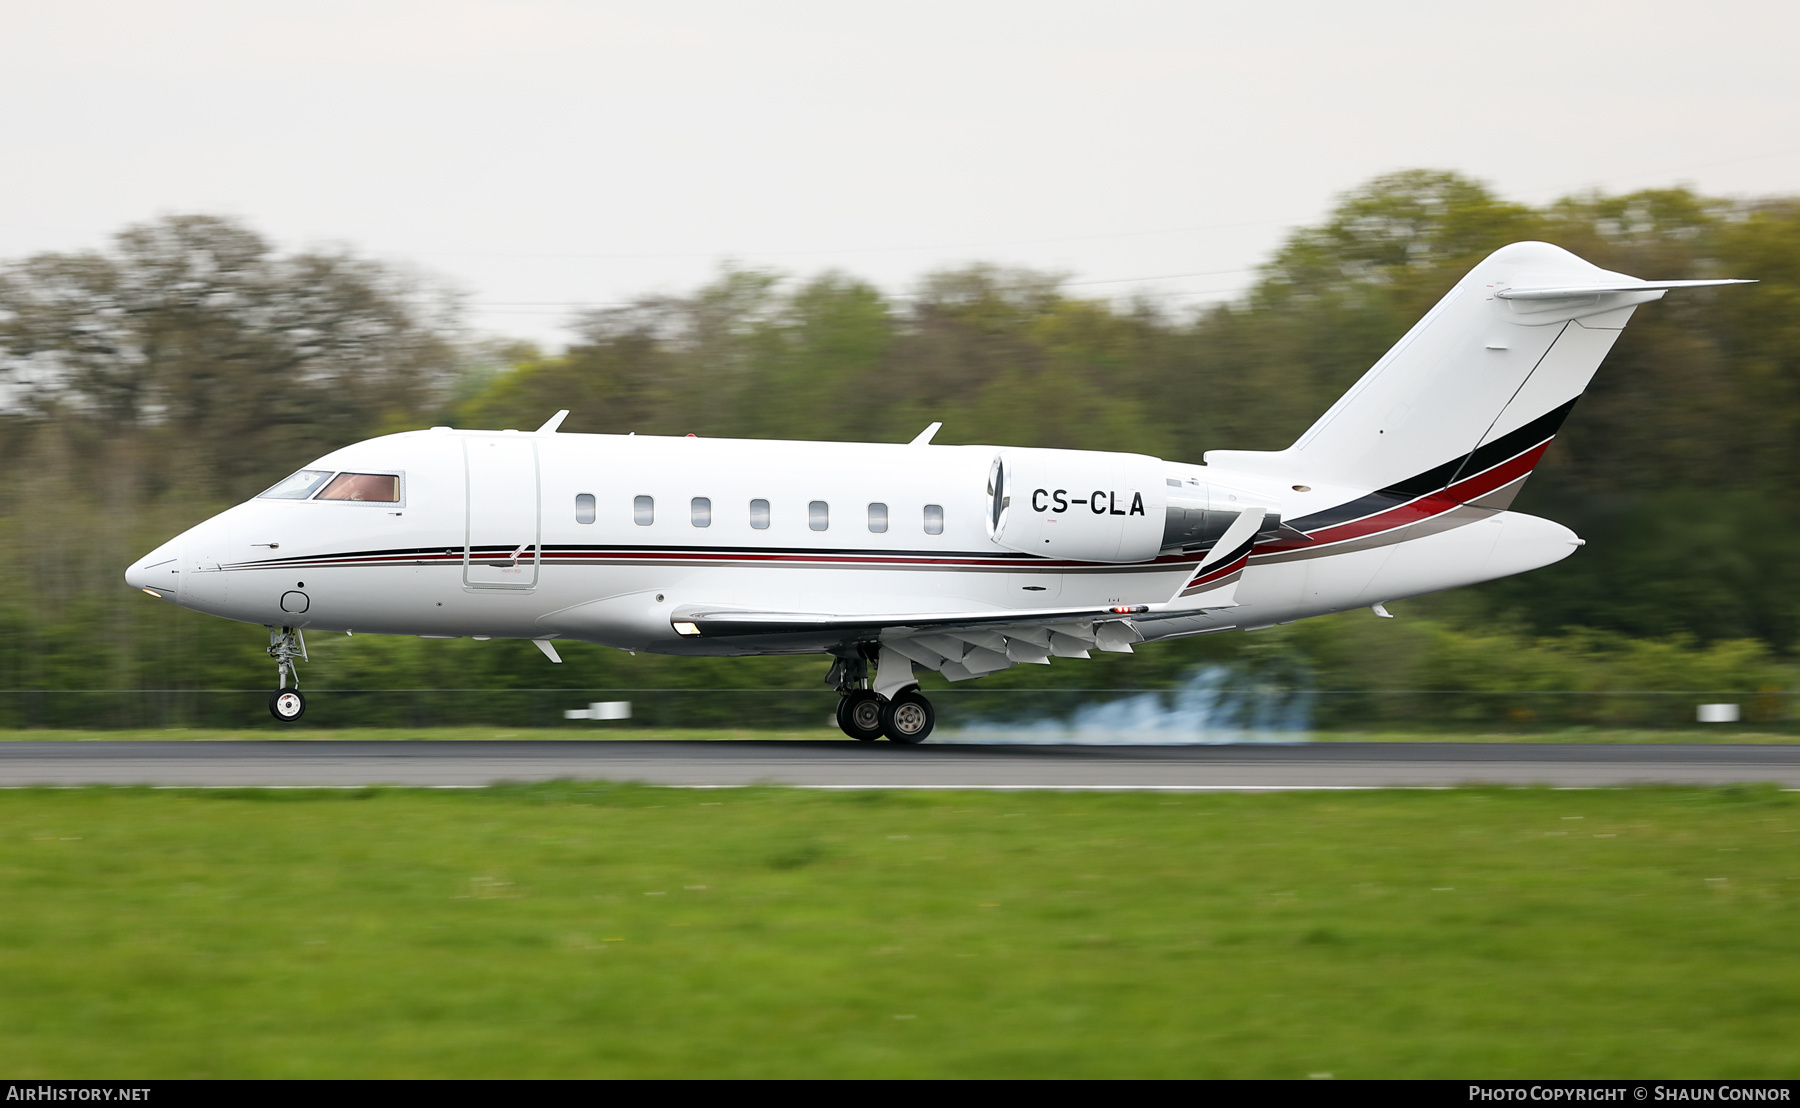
point(1483, 457)
point(403, 552)
point(982, 560)
point(651, 551)
point(785, 551)
point(1243, 549)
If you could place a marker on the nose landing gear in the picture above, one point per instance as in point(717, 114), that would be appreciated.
point(285, 645)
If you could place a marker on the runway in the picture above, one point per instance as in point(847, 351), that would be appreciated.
point(883, 765)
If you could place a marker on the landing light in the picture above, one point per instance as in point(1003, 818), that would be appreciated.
point(686, 629)
point(154, 593)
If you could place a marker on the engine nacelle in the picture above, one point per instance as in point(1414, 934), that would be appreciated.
point(1076, 504)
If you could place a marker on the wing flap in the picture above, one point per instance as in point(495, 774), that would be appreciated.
point(958, 645)
point(968, 626)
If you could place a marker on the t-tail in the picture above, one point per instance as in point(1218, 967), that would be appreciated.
point(1463, 407)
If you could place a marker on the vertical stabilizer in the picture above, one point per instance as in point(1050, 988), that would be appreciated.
point(1468, 400)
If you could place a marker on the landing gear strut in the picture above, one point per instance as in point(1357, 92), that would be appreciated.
point(866, 715)
point(285, 645)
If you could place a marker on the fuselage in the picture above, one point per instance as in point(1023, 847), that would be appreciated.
point(605, 538)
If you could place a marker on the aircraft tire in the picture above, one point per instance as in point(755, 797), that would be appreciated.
point(908, 718)
point(287, 705)
point(859, 715)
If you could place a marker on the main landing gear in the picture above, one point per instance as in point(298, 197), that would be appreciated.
point(866, 715)
point(907, 718)
point(285, 645)
point(859, 714)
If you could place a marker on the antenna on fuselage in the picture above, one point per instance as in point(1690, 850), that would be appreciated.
point(923, 438)
point(555, 421)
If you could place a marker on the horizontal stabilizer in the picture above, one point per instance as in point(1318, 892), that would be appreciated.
point(1564, 292)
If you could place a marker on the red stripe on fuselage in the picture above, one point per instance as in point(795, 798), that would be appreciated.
point(1226, 570)
point(1425, 507)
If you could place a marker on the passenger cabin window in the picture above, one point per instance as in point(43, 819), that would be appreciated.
point(818, 515)
point(759, 515)
point(298, 487)
point(375, 488)
point(584, 507)
point(934, 519)
point(878, 518)
point(643, 511)
point(700, 510)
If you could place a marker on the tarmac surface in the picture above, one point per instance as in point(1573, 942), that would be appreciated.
point(884, 765)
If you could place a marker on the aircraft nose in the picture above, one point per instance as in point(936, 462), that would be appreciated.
point(158, 572)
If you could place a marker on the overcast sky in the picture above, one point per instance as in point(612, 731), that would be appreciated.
point(546, 154)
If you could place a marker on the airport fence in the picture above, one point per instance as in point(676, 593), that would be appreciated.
point(1200, 711)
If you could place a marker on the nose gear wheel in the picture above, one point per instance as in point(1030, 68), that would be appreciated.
point(287, 705)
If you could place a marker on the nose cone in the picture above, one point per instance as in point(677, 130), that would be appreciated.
point(157, 572)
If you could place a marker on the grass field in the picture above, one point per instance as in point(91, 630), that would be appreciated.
point(592, 929)
point(1730, 734)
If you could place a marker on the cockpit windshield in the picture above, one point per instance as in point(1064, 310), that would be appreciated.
point(376, 488)
point(298, 487)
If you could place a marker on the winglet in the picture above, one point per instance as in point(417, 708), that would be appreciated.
point(555, 421)
point(544, 644)
point(923, 438)
point(1214, 573)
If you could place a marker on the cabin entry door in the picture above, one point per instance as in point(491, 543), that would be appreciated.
point(501, 546)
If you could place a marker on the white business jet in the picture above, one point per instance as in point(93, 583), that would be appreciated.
point(961, 560)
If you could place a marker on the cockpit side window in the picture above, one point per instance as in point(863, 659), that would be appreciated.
point(373, 488)
point(297, 487)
